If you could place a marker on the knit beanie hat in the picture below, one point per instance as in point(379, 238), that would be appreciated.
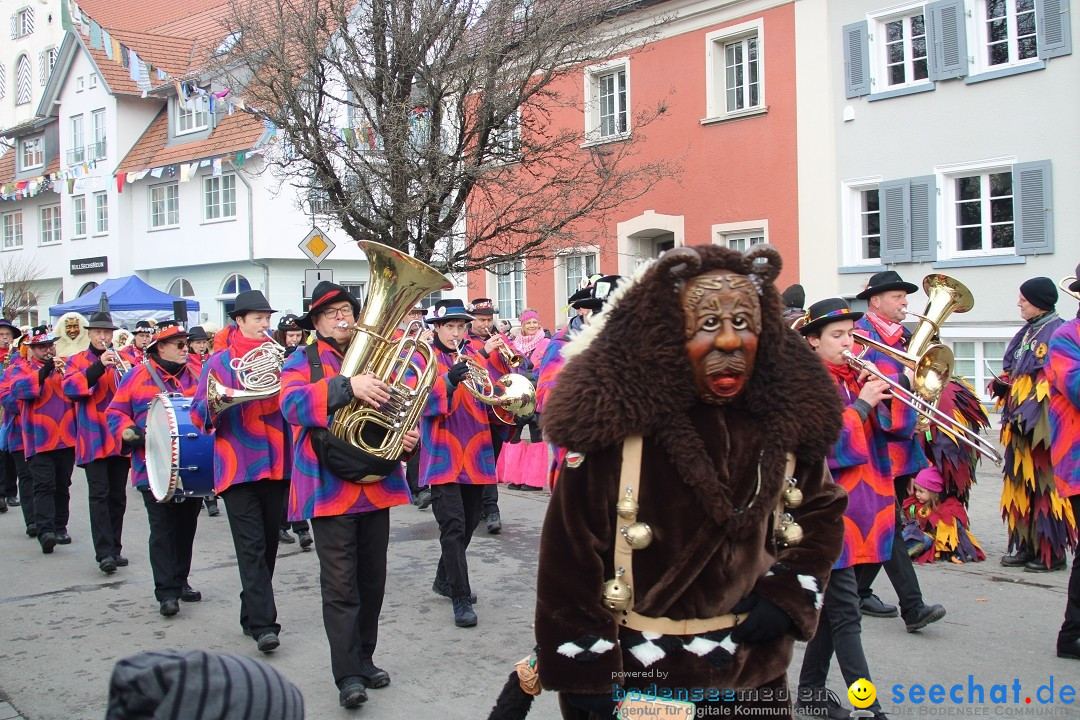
point(1040, 292)
point(794, 296)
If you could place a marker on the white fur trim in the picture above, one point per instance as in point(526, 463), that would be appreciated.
point(809, 582)
point(585, 337)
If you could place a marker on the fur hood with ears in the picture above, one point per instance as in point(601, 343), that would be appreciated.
point(65, 346)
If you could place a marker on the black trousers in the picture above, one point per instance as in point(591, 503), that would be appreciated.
point(1070, 629)
point(254, 513)
point(51, 472)
point(899, 567)
point(9, 478)
point(839, 631)
point(412, 474)
point(490, 503)
point(457, 510)
point(106, 481)
point(352, 575)
point(285, 524)
point(172, 536)
point(26, 485)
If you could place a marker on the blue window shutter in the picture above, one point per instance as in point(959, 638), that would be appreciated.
point(923, 205)
point(856, 60)
point(1033, 208)
point(895, 198)
point(947, 39)
point(1052, 28)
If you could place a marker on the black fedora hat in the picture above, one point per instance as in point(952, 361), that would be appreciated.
point(827, 311)
point(101, 320)
point(197, 333)
point(250, 301)
point(884, 282)
point(325, 293)
point(445, 310)
point(5, 323)
point(1074, 286)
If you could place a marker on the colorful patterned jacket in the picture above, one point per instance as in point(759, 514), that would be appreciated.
point(455, 431)
point(249, 438)
point(551, 364)
point(1063, 374)
point(860, 463)
point(132, 402)
point(133, 356)
point(48, 417)
point(306, 405)
point(11, 428)
point(907, 456)
point(93, 441)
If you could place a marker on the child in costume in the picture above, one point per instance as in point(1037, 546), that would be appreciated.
point(940, 522)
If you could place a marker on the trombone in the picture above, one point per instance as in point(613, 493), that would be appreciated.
point(1064, 284)
point(926, 409)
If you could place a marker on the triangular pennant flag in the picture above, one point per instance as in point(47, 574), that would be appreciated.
point(110, 45)
point(204, 163)
point(70, 181)
point(193, 168)
point(185, 173)
point(120, 182)
point(95, 36)
point(156, 172)
point(217, 166)
point(240, 158)
point(65, 17)
point(141, 174)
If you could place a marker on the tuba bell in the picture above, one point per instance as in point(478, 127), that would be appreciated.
point(398, 283)
point(258, 371)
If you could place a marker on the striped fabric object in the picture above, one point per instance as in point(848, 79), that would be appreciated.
point(93, 441)
point(315, 491)
point(11, 428)
point(200, 685)
point(455, 443)
point(551, 364)
point(48, 418)
point(1063, 374)
point(132, 402)
point(249, 438)
point(860, 463)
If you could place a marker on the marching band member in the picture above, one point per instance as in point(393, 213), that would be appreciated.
point(198, 346)
point(48, 420)
point(9, 482)
point(291, 336)
point(135, 353)
point(1041, 524)
point(11, 433)
point(1063, 374)
point(481, 329)
point(249, 465)
point(173, 523)
point(351, 520)
point(90, 381)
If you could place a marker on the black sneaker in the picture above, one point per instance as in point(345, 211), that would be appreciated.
point(31, 530)
point(285, 537)
point(464, 615)
point(494, 523)
point(442, 587)
point(352, 692)
point(107, 565)
point(13, 502)
point(423, 499)
point(815, 703)
point(1016, 559)
point(268, 642)
point(922, 616)
point(121, 561)
point(305, 539)
point(374, 677)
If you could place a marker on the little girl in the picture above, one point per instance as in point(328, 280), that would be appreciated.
point(937, 527)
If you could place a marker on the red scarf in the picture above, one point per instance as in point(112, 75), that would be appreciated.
point(241, 345)
point(845, 377)
point(890, 332)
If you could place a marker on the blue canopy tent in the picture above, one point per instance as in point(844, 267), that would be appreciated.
point(130, 300)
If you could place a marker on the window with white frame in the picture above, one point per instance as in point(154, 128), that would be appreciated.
point(576, 270)
point(97, 150)
point(744, 241)
point(164, 206)
point(505, 140)
point(608, 109)
point(33, 154)
point(77, 153)
point(78, 213)
point(219, 197)
point(101, 212)
point(510, 288)
point(982, 212)
point(193, 116)
point(13, 230)
point(869, 224)
point(22, 23)
point(181, 288)
point(977, 361)
point(50, 224)
point(1007, 33)
point(355, 288)
point(80, 84)
point(23, 79)
point(93, 80)
point(900, 48)
point(735, 70)
point(860, 204)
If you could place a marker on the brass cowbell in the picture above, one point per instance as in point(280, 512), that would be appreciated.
point(793, 496)
point(638, 535)
point(617, 594)
point(627, 507)
point(788, 531)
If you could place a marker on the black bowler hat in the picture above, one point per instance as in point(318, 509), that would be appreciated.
point(197, 333)
point(101, 320)
point(483, 306)
point(250, 301)
point(884, 282)
point(4, 322)
point(827, 311)
point(325, 293)
point(449, 310)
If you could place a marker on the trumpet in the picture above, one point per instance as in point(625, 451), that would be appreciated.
point(59, 364)
point(512, 358)
point(122, 366)
point(926, 410)
point(1064, 284)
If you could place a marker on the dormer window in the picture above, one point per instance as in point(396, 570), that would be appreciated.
point(194, 116)
point(33, 156)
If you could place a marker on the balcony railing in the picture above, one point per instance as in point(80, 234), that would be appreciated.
point(96, 151)
point(76, 155)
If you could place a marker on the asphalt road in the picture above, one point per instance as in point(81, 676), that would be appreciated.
point(63, 624)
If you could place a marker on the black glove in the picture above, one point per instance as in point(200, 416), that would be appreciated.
point(765, 622)
point(457, 373)
point(45, 371)
point(136, 440)
point(999, 388)
point(601, 705)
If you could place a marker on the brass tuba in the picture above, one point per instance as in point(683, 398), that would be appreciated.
point(259, 372)
point(398, 282)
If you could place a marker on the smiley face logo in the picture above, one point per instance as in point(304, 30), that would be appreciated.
point(862, 693)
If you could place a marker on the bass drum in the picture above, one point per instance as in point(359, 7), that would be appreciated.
point(179, 458)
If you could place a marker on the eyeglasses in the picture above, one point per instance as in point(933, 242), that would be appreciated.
point(341, 312)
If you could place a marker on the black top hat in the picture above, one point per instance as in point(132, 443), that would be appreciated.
point(287, 323)
point(325, 293)
point(884, 282)
point(197, 333)
point(445, 310)
point(101, 320)
point(250, 301)
point(4, 322)
point(483, 306)
point(827, 311)
point(144, 326)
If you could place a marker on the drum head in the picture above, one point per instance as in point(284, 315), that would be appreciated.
point(162, 453)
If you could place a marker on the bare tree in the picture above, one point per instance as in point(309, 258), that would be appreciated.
point(18, 273)
point(432, 125)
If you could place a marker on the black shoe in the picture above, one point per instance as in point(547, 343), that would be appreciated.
point(513, 486)
point(494, 523)
point(31, 529)
point(352, 692)
point(874, 607)
point(529, 488)
point(13, 502)
point(121, 561)
point(107, 565)
point(285, 537)
point(922, 616)
point(169, 607)
point(1016, 559)
point(305, 539)
point(374, 677)
point(62, 537)
point(1069, 649)
point(190, 594)
point(48, 542)
point(212, 508)
point(268, 642)
point(464, 615)
point(3, 504)
point(423, 500)
point(1037, 565)
point(442, 587)
point(815, 708)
